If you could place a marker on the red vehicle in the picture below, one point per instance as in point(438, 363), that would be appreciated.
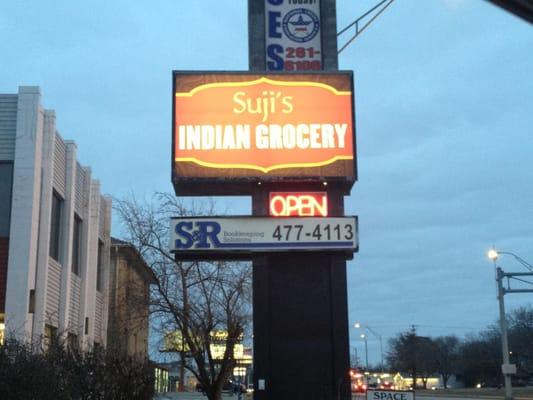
point(387, 385)
point(358, 384)
point(358, 387)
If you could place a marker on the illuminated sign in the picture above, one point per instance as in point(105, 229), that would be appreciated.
point(293, 40)
point(222, 336)
point(174, 341)
point(218, 351)
point(306, 204)
point(235, 127)
point(223, 235)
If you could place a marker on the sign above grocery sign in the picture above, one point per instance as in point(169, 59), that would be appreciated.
point(293, 39)
point(235, 126)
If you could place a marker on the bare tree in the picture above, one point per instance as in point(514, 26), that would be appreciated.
point(195, 299)
point(447, 357)
point(402, 354)
point(412, 354)
point(426, 350)
point(521, 338)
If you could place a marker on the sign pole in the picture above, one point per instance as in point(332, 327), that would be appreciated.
point(283, 132)
point(301, 341)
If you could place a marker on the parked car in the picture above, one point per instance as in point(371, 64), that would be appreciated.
point(387, 385)
point(227, 387)
point(359, 387)
point(242, 386)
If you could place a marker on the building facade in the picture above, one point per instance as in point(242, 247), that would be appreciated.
point(54, 230)
point(129, 300)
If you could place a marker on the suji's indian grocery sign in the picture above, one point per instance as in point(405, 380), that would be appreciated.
point(232, 129)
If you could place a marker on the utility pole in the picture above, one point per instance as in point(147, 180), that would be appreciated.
point(355, 358)
point(371, 330)
point(363, 336)
point(506, 367)
point(376, 334)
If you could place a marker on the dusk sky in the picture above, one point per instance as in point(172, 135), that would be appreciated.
point(444, 118)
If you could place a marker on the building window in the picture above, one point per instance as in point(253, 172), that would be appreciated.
point(100, 267)
point(6, 186)
point(76, 246)
point(55, 226)
point(50, 336)
point(72, 341)
point(31, 302)
point(2, 330)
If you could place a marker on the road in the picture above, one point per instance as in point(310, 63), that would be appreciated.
point(461, 395)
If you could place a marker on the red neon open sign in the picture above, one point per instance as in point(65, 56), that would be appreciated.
point(304, 204)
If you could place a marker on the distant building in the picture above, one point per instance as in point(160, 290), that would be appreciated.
point(54, 230)
point(129, 299)
point(161, 381)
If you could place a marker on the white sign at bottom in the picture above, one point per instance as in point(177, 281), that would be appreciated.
point(260, 234)
point(372, 394)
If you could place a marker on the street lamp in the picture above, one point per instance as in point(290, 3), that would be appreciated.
point(358, 325)
point(508, 369)
point(494, 254)
point(363, 336)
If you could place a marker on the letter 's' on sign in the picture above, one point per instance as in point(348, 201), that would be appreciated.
point(306, 204)
point(232, 131)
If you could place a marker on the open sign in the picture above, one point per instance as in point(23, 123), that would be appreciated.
point(304, 204)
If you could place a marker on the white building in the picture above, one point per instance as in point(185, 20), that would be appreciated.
point(54, 230)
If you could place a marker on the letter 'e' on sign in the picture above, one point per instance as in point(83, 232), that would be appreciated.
point(293, 204)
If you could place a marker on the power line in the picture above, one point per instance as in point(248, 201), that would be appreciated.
point(384, 4)
point(522, 280)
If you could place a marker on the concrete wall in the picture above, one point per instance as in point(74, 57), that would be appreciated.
point(129, 302)
point(43, 163)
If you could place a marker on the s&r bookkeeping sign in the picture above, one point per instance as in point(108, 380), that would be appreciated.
point(293, 35)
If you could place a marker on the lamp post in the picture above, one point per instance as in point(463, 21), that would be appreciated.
point(508, 369)
point(357, 325)
point(363, 336)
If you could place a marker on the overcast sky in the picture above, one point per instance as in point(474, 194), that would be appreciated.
point(444, 109)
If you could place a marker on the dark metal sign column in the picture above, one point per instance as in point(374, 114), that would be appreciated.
point(301, 348)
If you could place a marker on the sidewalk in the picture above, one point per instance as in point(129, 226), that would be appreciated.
point(197, 396)
point(489, 394)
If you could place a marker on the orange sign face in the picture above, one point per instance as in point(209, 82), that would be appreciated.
point(231, 126)
point(306, 204)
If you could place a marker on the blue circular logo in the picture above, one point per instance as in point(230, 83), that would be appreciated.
point(301, 25)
